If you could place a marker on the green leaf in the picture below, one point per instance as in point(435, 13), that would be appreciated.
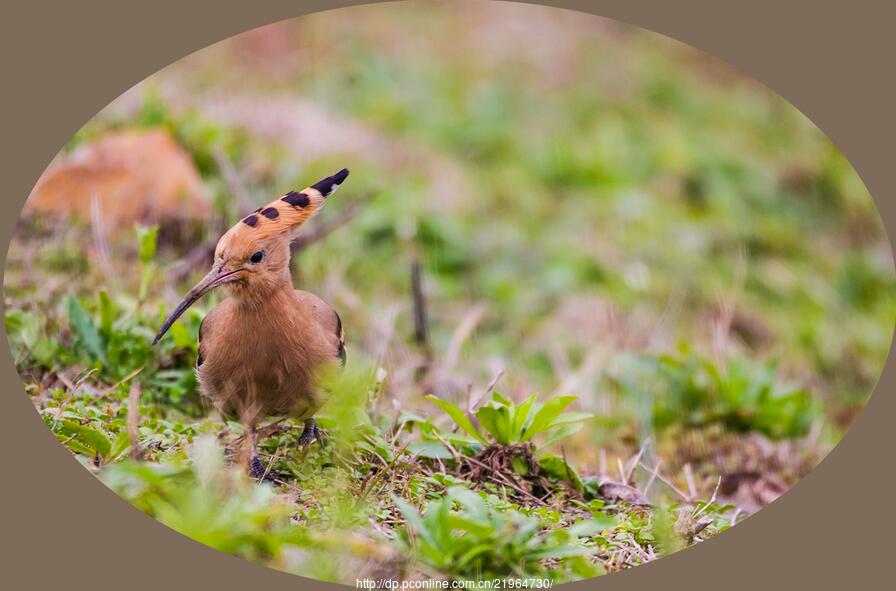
point(408, 417)
point(561, 432)
point(500, 398)
point(458, 416)
point(546, 414)
point(119, 447)
point(592, 527)
point(556, 468)
point(462, 440)
point(147, 238)
point(662, 526)
point(84, 327)
point(438, 523)
point(560, 552)
point(107, 313)
point(470, 501)
point(413, 519)
point(429, 449)
point(519, 466)
point(30, 328)
point(76, 446)
point(521, 416)
point(92, 438)
point(571, 417)
point(14, 319)
point(472, 553)
point(487, 417)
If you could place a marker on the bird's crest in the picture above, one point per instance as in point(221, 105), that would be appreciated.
point(288, 212)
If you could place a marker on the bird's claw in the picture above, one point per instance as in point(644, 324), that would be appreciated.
point(311, 433)
point(256, 468)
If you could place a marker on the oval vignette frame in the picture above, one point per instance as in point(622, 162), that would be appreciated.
point(840, 445)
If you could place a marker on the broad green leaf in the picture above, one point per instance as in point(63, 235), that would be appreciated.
point(438, 523)
point(84, 327)
point(546, 414)
point(592, 527)
point(571, 417)
point(76, 446)
point(95, 439)
point(470, 525)
point(462, 440)
point(119, 447)
point(561, 432)
point(429, 449)
point(487, 417)
point(473, 553)
point(556, 468)
point(30, 329)
point(524, 529)
point(495, 420)
point(458, 416)
point(521, 416)
point(560, 552)
point(470, 501)
point(500, 398)
point(409, 417)
point(13, 320)
point(412, 517)
point(519, 466)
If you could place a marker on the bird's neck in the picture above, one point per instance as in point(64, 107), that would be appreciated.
point(255, 297)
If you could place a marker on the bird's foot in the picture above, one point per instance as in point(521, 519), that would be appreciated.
point(259, 473)
point(311, 433)
point(256, 468)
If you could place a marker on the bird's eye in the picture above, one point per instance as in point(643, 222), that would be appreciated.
point(256, 258)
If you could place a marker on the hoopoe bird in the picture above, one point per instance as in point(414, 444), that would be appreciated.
point(261, 349)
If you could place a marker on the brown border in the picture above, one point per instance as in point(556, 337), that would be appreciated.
point(65, 60)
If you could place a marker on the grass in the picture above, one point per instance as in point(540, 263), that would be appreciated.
point(656, 296)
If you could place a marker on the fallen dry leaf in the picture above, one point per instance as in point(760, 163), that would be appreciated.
point(134, 175)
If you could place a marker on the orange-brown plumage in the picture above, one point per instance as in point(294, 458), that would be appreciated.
point(261, 350)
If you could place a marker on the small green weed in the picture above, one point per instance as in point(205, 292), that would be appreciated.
point(741, 395)
point(504, 422)
point(462, 535)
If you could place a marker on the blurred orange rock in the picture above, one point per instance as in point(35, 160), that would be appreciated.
point(133, 175)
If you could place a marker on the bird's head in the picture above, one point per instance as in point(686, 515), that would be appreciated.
point(252, 257)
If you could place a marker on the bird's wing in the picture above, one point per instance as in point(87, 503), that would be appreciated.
point(327, 318)
point(340, 331)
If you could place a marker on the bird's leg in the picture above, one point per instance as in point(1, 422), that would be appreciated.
point(319, 435)
point(256, 468)
point(311, 433)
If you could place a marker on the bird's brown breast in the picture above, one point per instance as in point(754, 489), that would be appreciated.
point(262, 360)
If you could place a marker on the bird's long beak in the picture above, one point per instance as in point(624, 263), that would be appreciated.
point(215, 277)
